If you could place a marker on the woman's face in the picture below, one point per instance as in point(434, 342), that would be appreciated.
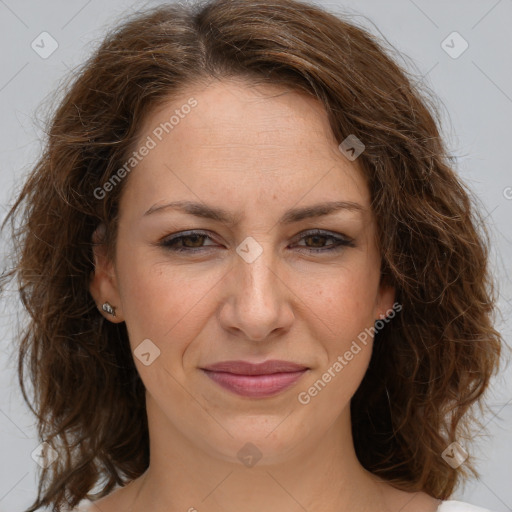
point(256, 286)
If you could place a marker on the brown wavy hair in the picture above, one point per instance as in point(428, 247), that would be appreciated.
point(431, 364)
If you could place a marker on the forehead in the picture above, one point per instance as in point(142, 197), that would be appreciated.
point(243, 139)
point(239, 119)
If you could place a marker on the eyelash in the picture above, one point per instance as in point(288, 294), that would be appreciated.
point(338, 244)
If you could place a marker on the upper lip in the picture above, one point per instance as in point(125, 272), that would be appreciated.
point(246, 368)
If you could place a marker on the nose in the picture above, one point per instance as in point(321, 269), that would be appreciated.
point(258, 302)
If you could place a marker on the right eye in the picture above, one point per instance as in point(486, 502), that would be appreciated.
point(187, 241)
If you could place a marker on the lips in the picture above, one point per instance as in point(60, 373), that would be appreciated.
point(255, 380)
point(246, 368)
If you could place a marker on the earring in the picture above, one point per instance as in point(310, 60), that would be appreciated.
point(108, 308)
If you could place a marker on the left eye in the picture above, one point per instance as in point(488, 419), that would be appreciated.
point(317, 237)
point(191, 241)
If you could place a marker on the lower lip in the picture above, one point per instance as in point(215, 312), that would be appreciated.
point(255, 386)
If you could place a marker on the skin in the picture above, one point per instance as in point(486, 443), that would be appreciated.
point(256, 151)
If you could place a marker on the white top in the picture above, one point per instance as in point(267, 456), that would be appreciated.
point(446, 506)
point(459, 506)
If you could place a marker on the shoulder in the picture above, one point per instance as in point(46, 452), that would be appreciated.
point(91, 506)
point(459, 506)
point(120, 498)
point(84, 506)
point(446, 506)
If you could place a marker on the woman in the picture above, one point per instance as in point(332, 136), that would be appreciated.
point(255, 282)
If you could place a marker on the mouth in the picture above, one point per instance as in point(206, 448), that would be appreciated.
point(255, 380)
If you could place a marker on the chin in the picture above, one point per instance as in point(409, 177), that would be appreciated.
point(260, 440)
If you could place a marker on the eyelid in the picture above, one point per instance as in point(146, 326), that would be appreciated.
point(185, 234)
point(323, 232)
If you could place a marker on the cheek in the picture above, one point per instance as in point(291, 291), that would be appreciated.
point(344, 300)
point(160, 301)
point(331, 390)
point(164, 305)
point(344, 307)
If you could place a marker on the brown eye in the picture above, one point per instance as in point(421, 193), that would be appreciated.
point(316, 241)
point(189, 241)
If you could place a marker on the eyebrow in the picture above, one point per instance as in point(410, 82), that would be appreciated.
point(224, 216)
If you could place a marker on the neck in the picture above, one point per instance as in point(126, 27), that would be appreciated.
point(322, 474)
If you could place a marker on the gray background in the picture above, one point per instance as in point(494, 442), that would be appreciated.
point(476, 93)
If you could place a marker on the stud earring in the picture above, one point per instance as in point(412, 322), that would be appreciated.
point(108, 308)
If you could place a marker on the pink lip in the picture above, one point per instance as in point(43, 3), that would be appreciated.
point(255, 380)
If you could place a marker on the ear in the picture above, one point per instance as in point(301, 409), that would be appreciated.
point(385, 301)
point(103, 284)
